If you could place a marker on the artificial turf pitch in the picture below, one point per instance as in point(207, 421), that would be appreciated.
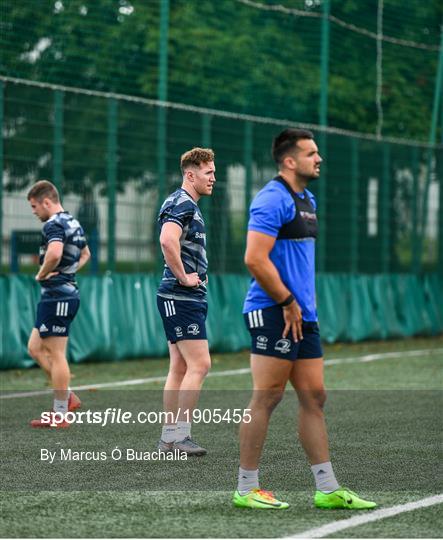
point(384, 424)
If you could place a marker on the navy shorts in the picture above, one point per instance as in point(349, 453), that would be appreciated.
point(55, 316)
point(183, 319)
point(266, 329)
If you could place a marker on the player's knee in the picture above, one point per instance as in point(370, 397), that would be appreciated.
point(57, 358)
point(201, 368)
point(313, 399)
point(268, 399)
point(34, 350)
point(178, 370)
point(320, 397)
point(274, 399)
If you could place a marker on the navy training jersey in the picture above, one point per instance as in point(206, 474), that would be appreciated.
point(180, 208)
point(62, 227)
point(290, 218)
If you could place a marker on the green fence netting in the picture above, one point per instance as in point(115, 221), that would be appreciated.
point(118, 317)
point(107, 124)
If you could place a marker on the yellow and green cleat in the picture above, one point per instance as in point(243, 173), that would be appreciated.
point(342, 498)
point(258, 498)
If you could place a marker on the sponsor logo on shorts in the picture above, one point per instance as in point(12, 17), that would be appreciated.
point(43, 328)
point(178, 331)
point(59, 329)
point(262, 343)
point(283, 346)
point(193, 329)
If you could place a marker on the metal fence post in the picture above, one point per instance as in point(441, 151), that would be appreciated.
point(385, 221)
point(58, 140)
point(112, 179)
point(161, 174)
point(432, 140)
point(323, 120)
point(324, 67)
point(162, 95)
point(247, 158)
point(441, 121)
point(415, 261)
point(437, 95)
point(205, 203)
point(440, 213)
point(354, 203)
point(1, 170)
point(322, 189)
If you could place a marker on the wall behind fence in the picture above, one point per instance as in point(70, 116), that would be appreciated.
point(118, 315)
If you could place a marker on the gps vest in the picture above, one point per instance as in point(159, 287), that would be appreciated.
point(304, 225)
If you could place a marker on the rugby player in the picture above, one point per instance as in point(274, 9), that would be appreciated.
point(181, 298)
point(63, 251)
point(281, 316)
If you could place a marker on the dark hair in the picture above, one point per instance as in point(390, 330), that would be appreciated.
point(286, 141)
point(196, 156)
point(43, 190)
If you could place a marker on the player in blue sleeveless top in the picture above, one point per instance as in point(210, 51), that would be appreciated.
point(281, 316)
point(63, 251)
point(181, 298)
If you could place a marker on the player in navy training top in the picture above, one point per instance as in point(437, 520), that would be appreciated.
point(63, 251)
point(281, 316)
point(181, 209)
point(181, 298)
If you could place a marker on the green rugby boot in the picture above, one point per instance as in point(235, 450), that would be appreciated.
point(258, 498)
point(342, 498)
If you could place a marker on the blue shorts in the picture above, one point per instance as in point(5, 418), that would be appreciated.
point(266, 329)
point(183, 319)
point(55, 316)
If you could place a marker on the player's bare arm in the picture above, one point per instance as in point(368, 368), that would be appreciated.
point(85, 255)
point(170, 244)
point(258, 248)
point(53, 256)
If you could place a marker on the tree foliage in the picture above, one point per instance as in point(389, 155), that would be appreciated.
point(223, 55)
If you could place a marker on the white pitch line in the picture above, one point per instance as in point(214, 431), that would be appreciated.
point(382, 356)
point(128, 382)
point(227, 372)
point(376, 515)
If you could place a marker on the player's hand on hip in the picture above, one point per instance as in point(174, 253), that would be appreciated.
point(41, 277)
point(293, 321)
point(191, 280)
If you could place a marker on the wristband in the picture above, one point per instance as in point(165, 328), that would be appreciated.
point(287, 302)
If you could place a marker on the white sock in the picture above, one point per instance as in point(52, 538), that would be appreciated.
point(183, 430)
point(324, 477)
point(247, 480)
point(61, 405)
point(169, 433)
